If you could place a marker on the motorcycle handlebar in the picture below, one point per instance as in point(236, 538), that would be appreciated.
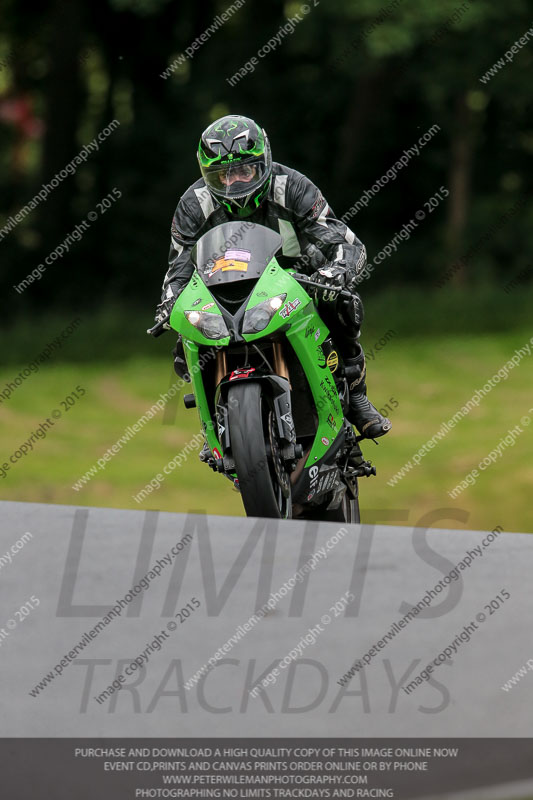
point(159, 328)
point(324, 286)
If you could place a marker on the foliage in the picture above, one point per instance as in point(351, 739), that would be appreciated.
point(342, 97)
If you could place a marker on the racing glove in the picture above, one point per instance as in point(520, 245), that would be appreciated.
point(163, 310)
point(331, 275)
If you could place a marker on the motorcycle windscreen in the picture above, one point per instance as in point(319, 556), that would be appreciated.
point(235, 251)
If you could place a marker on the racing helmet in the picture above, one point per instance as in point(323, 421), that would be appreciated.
point(236, 163)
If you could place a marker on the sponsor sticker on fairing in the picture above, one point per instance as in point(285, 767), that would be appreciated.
point(232, 261)
point(238, 255)
point(313, 477)
point(241, 373)
point(289, 307)
point(333, 360)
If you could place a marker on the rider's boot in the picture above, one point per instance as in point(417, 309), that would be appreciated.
point(366, 418)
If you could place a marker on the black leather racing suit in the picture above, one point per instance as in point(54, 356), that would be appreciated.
point(294, 208)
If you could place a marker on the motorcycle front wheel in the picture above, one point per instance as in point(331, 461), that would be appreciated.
point(263, 481)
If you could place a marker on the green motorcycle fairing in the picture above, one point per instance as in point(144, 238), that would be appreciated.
point(293, 313)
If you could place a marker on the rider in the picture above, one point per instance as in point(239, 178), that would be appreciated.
point(240, 180)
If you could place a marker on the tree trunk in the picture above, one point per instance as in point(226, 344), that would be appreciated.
point(62, 98)
point(459, 183)
point(354, 132)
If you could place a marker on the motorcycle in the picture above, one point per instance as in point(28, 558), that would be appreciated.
point(270, 387)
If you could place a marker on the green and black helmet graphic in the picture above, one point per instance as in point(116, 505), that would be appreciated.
point(236, 163)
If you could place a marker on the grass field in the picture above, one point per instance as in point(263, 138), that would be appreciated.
point(430, 378)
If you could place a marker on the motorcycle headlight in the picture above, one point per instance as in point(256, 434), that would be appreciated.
point(212, 326)
point(257, 318)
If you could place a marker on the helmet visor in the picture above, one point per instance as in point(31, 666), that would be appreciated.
point(235, 180)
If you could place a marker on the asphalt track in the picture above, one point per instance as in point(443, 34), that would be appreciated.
point(79, 562)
